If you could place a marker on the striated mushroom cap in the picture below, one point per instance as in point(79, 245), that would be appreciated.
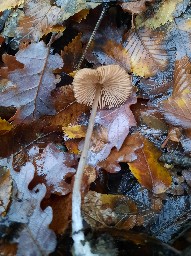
point(115, 85)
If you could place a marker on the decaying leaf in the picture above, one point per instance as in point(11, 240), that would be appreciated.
point(35, 238)
point(125, 154)
point(33, 83)
point(72, 54)
point(166, 12)
point(74, 132)
point(5, 126)
point(177, 108)
point(148, 171)
point(117, 122)
point(4, 5)
point(68, 110)
point(135, 6)
point(146, 50)
point(118, 54)
point(5, 189)
point(53, 167)
point(101, 210)
point(39, 19)
point(61, 206)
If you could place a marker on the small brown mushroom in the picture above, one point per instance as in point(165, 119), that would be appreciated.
point(104, 87)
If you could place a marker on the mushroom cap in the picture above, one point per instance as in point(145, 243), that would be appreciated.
point(115, 85)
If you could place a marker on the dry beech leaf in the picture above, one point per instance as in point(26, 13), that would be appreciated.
point(35, 238)
point(68, 110)
point(74, 132)
point(117, 53)
point(165, 13)
point(5, 189)
point(182, 76)
point(177, 108)
point(117, 122)
point(72, 54)
point(125, 154)
point(53, 167)
point(5, 126)
point(33, 83)
point(101, 210)
point(4, 5)
point(39, 19)
point(149, 172)
point(135, 6)
point(146, 51)
point(11, 64)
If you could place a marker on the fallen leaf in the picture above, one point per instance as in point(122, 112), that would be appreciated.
point(74, 132)
point(33, 83)
point(147, 170)
point(147, 56)
point(4, 5)
point(117, 122)
point(35, 237)
point(5, 189)
point(101, 210)
point(5, 126)
point(118, 54)
point(125, 154)
point(176, 108)
point(72, 54)
point(166, 12)
point(53, 167)
point(62, 211)
point(39, 19)
point(8, 249)
point(135, 6)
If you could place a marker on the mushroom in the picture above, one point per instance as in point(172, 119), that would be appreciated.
point(104, 87)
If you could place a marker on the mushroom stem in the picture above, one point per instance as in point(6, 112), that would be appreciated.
point(77, 225)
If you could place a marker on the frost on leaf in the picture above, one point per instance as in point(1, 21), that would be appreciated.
point(148, 171)
point(35, 238)
point(117, 123)
point(177, 108)
point(167, 11)
point(53, 166)
point(5, 189)
point(39, 18)
point(146, 50)
point(31, 95)
point(101, 210)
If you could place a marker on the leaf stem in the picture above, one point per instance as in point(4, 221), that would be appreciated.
point(77, 225)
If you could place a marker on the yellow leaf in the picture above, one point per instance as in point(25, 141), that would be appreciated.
point(4, 5)
point(149, 172)
point(147, 57)
point(163, 15)
point(5, 126)
point(75, 132)
point(101, 210)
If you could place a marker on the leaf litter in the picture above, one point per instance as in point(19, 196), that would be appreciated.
point(143, 145)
